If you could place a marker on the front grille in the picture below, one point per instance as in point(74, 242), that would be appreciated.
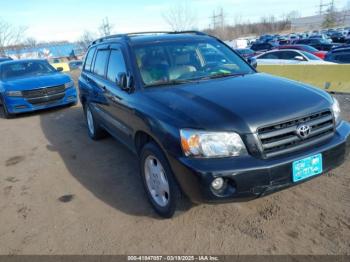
point(283, 138)
point(44, 96)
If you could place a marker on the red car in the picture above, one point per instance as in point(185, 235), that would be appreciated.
point(306, 48)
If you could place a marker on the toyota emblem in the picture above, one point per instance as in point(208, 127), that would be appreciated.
point(303, 131)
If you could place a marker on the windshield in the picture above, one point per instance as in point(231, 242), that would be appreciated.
point(25, 69)
point(180, 62)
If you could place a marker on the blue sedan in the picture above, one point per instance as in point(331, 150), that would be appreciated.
point(29, 85)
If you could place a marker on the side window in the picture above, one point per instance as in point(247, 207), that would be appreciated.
point(88, 59)
point(273, 55)
point(101, 62)
point(116, 65)
point(289, 55)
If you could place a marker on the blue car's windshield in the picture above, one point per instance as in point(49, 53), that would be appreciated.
point(179, 62)
point(25, 69)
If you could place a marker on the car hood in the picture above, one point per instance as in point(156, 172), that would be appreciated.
point(34, 82)
point(240, 104)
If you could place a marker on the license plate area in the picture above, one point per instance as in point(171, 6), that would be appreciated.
point(307, 167)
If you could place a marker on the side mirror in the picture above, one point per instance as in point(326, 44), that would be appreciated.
point(122, 81)
point(299, 58)
point(59, 69)
point(125, 81)
point(252, 61)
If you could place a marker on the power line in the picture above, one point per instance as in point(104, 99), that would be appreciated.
point(218, 20)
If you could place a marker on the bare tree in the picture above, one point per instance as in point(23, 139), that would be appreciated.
point(105, 27)
point(31, 42)
point(85, 40)
point(330, 19)
point(180, 17)
point(10, 35)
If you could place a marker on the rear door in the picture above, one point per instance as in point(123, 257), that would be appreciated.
point(98, 84)
point(118, 100)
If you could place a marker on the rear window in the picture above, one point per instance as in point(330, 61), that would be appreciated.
point(88, 60)
point(101, 62)
point(310, 56)
point(308, 48)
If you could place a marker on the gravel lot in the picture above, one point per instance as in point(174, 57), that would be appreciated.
point(62, 193)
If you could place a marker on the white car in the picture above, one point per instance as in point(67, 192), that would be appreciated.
point(289, 57)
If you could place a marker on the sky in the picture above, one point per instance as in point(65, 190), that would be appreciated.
point(67, 19)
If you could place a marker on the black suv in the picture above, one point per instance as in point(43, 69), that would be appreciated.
point(203, 123)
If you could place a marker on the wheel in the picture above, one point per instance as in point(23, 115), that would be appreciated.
point(5, 112)
point(94, 130)
point(161, 187)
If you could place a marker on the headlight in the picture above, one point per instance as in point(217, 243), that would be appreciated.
point(14, 93)
point(69, 84)
point(336, 110)
point(211, 144)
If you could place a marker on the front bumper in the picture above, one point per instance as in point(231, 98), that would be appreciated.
point(249, 177)
point(16, 105)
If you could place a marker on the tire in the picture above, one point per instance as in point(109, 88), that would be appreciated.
point(173, 199)
point(5, 112)
point(95, 131)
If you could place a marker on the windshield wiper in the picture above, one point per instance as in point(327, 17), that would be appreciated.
point(218, 75)
point(169, 83)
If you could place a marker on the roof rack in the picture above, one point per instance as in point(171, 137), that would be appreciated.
point(128, 35)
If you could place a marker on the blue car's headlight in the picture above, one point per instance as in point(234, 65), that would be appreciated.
point(14, 93)
point(69, 84)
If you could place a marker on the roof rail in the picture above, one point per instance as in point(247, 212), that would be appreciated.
point(109, 37)
point(127, 35)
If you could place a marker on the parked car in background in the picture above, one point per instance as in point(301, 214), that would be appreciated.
point(75, 64)
point(338, 37)
point(29, 85)
point(321, 36)
point(306, 48)
point(59, 63)
point(262, 47)
point(245, 52)
point(320, 44)
point(340, 55)
point(214, 131)
point(288, 56)
point(3, 59)
point(266, 38)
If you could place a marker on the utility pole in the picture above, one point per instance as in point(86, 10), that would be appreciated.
point(218, 20)
point(105, 28)
point(322, 6)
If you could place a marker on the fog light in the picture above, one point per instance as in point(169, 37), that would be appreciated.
point(217, 183)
